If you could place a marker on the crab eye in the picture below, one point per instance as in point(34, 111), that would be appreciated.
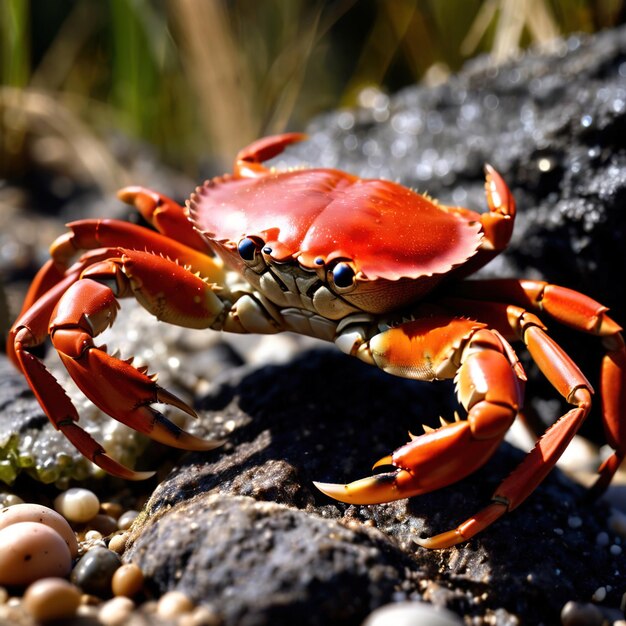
point(343, 275)
point(248, 249)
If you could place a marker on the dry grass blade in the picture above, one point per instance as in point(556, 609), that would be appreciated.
point(26, 111)
point(215, 69)
point(511, 18)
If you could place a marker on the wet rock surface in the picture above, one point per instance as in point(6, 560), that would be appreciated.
point(237, 518)
point(280, 444)
point(291, 566)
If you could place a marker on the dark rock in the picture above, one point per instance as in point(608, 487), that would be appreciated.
point(261, 563)
point(333, 418)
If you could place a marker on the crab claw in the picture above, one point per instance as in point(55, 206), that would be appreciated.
point(126, 393)
point(373, 489)
point(428, 462)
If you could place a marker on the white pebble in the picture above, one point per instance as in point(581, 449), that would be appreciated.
point(411, 614)
point(77, 504)
point(599, 595)
point(615, 550)
point(174, 603)
point(115, 612)
point(10, 499)
point(93, 535)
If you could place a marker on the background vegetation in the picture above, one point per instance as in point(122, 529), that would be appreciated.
point(198, 79)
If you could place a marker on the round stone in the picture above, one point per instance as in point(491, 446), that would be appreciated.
point(117, 543)
point(127, 580)
point(126, 519)
point(174, 603)
point(77, 504)
point(94, 572)
point(115, 612)
point(411, 614)
point(104, 524)
point(27, 512)
point(30, 551)
point(51, 599)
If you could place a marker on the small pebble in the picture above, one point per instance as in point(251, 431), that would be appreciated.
point(30, 551)
point(93, 535)
point(116, 611)
point(411, 614)
point(118, 543)
point(42, 515)
point(104, 524)
point(127, 580)
point(602, 539)
point(617, 522)
point(615, 550)
point(579, 614)
point(9, 499)
point(126, 519)
point(599, 595)
point(201, 616)
point(111, 508)
point(51, 599)
point(77, 504)
point(173, 604)
point(94, 572)
point(573, 521)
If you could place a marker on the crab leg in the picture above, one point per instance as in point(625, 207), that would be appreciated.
point(497, 223)
point(248, 163)
point(92, 234)
point(568, 380)
point(167, 216)
point(88, 306)
point(489, 387)
point(580, 312)
point(489, 382)
point(30, 331)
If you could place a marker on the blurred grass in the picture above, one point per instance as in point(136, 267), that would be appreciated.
point(199, 79)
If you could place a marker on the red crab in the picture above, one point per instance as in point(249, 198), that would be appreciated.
point(367, 264)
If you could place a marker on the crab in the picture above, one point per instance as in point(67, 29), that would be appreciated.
point(370, 265)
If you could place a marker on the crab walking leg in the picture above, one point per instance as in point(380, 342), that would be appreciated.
point(584, 314)
point(47, 277)
point(248, 163)
point(489, 387)
point(497, 224)
point(167, 216)
point(574, 387)
point(107, 233)
point(86, 308)
point(93, 234)
point(30, 331)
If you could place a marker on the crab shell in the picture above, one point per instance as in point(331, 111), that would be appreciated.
point(399, 243)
